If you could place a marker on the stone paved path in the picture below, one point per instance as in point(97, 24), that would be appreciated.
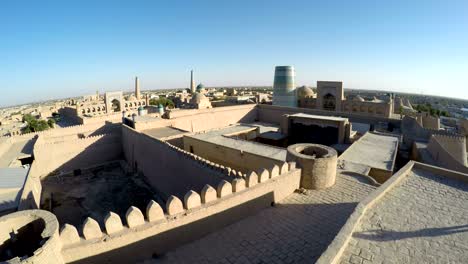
point(297, 230)
point(422, 220)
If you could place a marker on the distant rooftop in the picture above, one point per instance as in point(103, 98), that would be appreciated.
point(333, 118)
point(162, 132)
point(373, 150)
point(219, 137)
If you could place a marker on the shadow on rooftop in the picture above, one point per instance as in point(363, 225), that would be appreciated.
point(390, 235)
point(281, 229)
point(154, 247)
point(441, 179)
point(107, 128)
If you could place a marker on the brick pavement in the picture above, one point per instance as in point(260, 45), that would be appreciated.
point(422, 220)
point(297, 230)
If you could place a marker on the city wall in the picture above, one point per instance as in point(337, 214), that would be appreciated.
point(5, 144)
point(445, 157)
point(169, 169)
point(237, 159)
point(431, 122)
point(455, 145)
point(61, 149)
point(196, 120)
point(463, 128)
point(413, 131)
point(31, 194)
point(95, 128)
point(143, 235)
point(272, 114)
point(75, 154)
point(114, 117)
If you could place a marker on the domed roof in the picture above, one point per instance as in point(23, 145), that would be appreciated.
point(131, 98)
point(200, 86)
point(358, 98)
point(304, 91)
point(197, 98)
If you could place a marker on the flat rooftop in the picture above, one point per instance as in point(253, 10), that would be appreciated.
point(220, 137)
point(422, 219)
point(163, 132)
point(17, 150)
point(11, 185)
point(331, 118)
point(272, 135)
point(374, 150)
point(296, 230)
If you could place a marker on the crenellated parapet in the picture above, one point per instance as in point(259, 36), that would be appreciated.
point(449, 151)
point(58, 130)
point(162, 226)
point(414, 131)
point(78, 141)
point(217, 168)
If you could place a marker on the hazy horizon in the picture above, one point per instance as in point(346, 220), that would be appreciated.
point(57, 49)
point(229, 86)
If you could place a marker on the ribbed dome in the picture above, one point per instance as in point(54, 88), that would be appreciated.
point(304, 91)
point(131, 98)
point(200, 86)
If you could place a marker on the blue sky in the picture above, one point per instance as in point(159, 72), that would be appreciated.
point(54, 49)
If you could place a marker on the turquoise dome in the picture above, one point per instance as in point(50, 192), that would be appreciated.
point(200, 87)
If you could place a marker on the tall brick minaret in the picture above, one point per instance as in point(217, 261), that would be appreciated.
point(192, 82)
point(137, 89)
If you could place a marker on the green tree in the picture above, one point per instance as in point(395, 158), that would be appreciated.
point(51, 123)
point(427, 107)
point(34, 125)
point(400, 110)
point(163, 101)
point(444, 113)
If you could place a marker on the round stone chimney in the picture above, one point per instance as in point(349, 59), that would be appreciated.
point(318, 164)
point(30, 236)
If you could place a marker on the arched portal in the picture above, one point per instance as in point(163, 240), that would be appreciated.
point(329, 102)
point(115, 105)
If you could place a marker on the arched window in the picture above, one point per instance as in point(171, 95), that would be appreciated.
point(115, 105)
point(329, 102)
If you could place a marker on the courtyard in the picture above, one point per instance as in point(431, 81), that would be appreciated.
point(94, 192)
